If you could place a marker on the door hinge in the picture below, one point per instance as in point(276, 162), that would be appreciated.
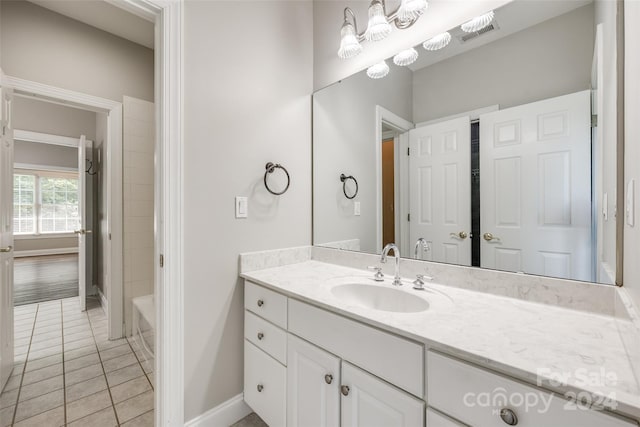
point(594, 120)
point(408, 217)
point(408, 151)
point(161, 260)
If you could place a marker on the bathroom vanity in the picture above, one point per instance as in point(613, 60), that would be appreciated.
point(327, 345)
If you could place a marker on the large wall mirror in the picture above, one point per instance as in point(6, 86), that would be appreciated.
point(499, 150)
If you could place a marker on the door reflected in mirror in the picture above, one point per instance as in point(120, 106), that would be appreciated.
point(499, 150)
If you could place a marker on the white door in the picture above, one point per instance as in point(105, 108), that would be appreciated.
point(6, 237)
point(367, 401)
point(313, 385)
point(535, 188)
point(440, 189)
point(82, 228)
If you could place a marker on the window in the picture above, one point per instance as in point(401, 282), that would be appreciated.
point(45, 203)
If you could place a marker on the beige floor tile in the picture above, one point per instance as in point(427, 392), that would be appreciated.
point(135, 406)
point(9, 398)
point(104, 418)
point(23, 349)
point(83, 389)
point(79, 352)
point(79, 344)
point(32, 407)
point(107, 344)
point(130, 389)
point(123, 375)
point(77, 336)
point(144, 420)
point(47, 336)
point(71, 330)
point(6, 416)
point(81, 362)
point(88, 405)
point(13, 383)
point(33, 365)
point(40, 354)
point(152, 378)
point(42, 374)
point(43, 329)
point(51, 342)
point(53, 418)
point(251, 420)
point(83, 374)
point(43, 387)
point(120, 362)
point(115, 352)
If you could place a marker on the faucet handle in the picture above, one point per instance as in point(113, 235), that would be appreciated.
point(378, 277)
point(418, 284)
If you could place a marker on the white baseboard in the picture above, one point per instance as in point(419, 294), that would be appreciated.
point(41, 252)
point(223, 415)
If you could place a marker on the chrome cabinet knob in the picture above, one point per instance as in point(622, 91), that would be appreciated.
point(508, 416)
point(260, 335)
point(344, 390)
point(328, 378)
point(260, 303)
point(260, 388)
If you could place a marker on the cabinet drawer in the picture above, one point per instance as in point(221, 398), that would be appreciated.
point(266, 303)
point(266, 336)
point(436, 419)
point(395, 359)
point(265, 389)
point(475, 396)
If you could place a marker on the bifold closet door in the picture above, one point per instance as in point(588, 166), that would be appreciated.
point(535, 188)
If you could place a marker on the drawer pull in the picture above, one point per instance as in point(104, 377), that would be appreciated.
point(508, 416)
point(328, 378)
point(260, 388)
point(344, 390)
point(260, 335)
point(260, 303)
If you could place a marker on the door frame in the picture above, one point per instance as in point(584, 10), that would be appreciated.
point(400, 125)
point(169, 360)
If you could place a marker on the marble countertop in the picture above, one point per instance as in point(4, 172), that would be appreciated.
point(559, 349)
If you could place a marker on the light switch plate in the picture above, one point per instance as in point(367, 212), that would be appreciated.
point(630, 208)
point(356, 208)
point(242, 207)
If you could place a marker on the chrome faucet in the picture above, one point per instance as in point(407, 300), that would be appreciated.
point(421, 243)
point(396, 253)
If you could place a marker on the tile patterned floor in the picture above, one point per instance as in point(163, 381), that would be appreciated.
point(67, 373)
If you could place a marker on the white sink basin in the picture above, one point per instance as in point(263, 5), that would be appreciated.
point(379, 298)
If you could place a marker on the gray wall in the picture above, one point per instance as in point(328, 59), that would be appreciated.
point(549, 59)
point(46, 155)
point(243, 107)
point(54, 119)
point(47, 47)
point(344, 123)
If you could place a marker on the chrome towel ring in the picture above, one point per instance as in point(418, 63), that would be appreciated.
point(270, 167)
point(344, 179)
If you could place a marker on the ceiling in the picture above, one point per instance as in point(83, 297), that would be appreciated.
point(510, 18)
point(106, 17)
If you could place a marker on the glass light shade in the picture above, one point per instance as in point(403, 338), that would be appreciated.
point(477, 23)
point(437, 42)
point(349, 44)
point(406, 57)
point(411, 9)
point(378, 28)
point(378, 70)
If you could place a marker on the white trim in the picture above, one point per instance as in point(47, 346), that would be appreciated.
point(225, 414)
point(45, 138)
point(134, 8)
point(43, 168)
point(473, 115)
point(54, 94)
point(43, 236)
point(401, 125)
point(103, 300)
point(42, 252)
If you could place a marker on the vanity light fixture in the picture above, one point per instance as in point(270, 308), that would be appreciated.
point(378, 70)
point(379, 24)
point(406, 57)
point(477, 23)
point(437, 42)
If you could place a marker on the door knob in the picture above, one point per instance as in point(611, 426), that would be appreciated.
point(7, 249)
point(81, 231)
point(490, 237)
point(461, 235)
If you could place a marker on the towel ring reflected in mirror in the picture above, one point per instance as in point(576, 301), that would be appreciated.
point(270, 168)
point(344, 178)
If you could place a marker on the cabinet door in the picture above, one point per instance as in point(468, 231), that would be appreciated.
point(265, 385)
point(313, 385)
point(367, 401)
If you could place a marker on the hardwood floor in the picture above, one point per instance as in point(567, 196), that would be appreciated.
point(45, 278)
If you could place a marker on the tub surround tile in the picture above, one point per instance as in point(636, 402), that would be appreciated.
point(525, 339)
